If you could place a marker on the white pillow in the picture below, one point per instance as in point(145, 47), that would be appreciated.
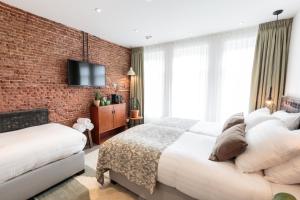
point(269, 143)
point(264, 110)
point(291, 120)
point(285, 173)
point(257, 117)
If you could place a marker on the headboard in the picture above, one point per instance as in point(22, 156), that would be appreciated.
point(11, 121)
point(290, 104)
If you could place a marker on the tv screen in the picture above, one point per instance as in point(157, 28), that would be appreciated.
point(85, 74)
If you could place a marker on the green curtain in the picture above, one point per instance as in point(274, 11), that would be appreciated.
point(137, 82)
point(270, 62)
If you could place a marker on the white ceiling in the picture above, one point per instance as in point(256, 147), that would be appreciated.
point(165, 20)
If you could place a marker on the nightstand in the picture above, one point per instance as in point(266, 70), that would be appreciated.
point(135, 121)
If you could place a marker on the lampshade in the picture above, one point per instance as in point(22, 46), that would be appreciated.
point(269, 100)
point(131, 72)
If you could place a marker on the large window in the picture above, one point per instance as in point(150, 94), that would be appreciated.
point(205, 78)
point(154, 83)
point(237, 65)
point(189, 82)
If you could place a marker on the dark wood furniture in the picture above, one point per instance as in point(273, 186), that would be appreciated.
point(89, 138)
point(135, 121)
point(107, 119)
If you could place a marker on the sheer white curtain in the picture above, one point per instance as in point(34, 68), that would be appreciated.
point(206, 78)
point(189, 81)
point(154, 84)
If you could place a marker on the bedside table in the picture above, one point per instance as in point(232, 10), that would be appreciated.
point(135, 121)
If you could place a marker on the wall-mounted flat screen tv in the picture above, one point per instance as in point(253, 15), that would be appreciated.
point(85, 74)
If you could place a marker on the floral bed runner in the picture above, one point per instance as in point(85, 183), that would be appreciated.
point(135, 153)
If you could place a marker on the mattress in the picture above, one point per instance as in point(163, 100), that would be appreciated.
point(184, 165)
point(30, 148)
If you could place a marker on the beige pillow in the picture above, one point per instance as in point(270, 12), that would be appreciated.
point(233, 120)
point(230, 144)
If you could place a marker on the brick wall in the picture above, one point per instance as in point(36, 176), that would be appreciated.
point(33, 66)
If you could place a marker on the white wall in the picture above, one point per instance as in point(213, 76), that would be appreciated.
point(293, 73)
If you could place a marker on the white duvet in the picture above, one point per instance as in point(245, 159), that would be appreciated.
point(30, 148)
point(184, 165)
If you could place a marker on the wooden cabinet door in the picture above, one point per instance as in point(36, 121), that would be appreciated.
point(119, 115)
point(106, 118)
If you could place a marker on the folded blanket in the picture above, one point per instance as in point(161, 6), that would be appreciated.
point(84, 121)
point(89, 126)
point(79, 127)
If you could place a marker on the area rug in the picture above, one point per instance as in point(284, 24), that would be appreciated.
point(86, 187)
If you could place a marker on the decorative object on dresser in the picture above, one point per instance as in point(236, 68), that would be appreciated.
point(105, 101)
point(97, 99)
point(116, 98)
point(107, 118)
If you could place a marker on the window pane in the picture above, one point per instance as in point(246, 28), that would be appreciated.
point(237, 66)
point(153, 84)
point(189, 82)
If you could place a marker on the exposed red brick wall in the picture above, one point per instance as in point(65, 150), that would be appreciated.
point(33, 66)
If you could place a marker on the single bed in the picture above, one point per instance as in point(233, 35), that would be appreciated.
point(183, 169)
point(35, 154)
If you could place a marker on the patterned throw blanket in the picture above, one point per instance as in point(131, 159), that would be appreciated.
point(135, 153)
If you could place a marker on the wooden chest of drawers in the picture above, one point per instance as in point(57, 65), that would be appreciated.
point(107, 118)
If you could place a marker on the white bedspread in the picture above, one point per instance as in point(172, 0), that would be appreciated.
point(185, 166)
point(207, 128)
point(30, 148)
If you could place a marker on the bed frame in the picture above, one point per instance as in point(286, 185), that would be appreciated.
point(36, 181)
point(164, 192)
point(290, 104)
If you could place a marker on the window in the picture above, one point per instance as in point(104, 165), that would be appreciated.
point(238, 56)
point(154, 79)
point(189, 81)
point(206, 78)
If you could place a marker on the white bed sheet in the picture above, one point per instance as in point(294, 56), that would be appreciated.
point(184, 165)
point(207, 128)
point(30, 148)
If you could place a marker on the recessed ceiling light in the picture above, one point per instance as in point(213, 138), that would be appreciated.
point(98, 10)
point(148, 37)
point(136, 30)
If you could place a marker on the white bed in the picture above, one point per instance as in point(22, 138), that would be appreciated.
point(30, 148)
point(184, 165)
point(185, 172)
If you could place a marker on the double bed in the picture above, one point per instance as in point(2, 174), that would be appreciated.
point(36, 154)
point(179, 168)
